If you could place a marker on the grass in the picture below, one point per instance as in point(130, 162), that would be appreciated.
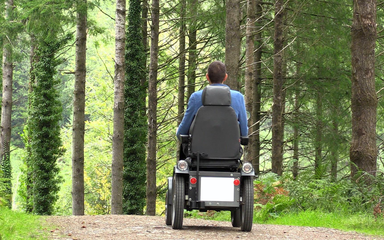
point(16, 225)
point(361, 223)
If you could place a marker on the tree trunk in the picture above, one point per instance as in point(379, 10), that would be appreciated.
point(334, 148)
point(250, 67)
point(255, 130)
point(319, 135)
point(6, 109)
point(78, 112)
point(232, 43)
point(44, 122)
point(27, 137)
point(295, 167)
point(144, 30)
point(135, 119)
point(363, 150)
point(152, 108)
point(192, 37)
point(181, 84)
point(118, 111)
point(278, 95)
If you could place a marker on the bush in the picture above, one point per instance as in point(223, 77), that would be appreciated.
point(343, 195)
point(276, 195)
point(271, 198)
point(5, 197)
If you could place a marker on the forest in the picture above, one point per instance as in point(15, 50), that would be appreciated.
point(93, 91)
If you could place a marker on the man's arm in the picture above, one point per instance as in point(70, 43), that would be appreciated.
point(188, 117)
point(243, 118)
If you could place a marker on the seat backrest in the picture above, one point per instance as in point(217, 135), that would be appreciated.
point(215, 130)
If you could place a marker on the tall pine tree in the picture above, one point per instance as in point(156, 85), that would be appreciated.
point(45, 107)
point(152, 111)
point(79, 111)
point(44, 128)
point(118, 111)
point(135, 123)
point(6, 109)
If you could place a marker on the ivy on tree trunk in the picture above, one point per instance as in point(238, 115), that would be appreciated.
point(135, 121)
point(44, 128)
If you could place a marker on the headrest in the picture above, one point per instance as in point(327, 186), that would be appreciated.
point(216, 96)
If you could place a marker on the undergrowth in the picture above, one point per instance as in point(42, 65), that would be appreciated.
point(17, 225)
point(344, 204)
point(358, 222)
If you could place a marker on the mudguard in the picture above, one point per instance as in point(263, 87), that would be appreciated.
point(169, 192)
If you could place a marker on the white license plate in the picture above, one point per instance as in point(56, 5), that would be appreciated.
point(217, 189)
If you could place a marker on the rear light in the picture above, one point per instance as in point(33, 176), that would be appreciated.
point(247, 167)
point(193, 180)
point(236, 182)
point(182, 165)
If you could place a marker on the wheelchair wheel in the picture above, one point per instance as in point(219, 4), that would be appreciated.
point(247, 205)
point(178, 202)
point(236, 218)
point(168, 210)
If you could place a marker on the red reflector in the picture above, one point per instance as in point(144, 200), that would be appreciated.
point(236, 182)
point(193, 180)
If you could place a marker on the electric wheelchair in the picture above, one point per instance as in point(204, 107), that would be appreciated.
point(212, 176)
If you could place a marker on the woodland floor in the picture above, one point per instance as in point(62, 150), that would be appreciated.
point(146, 227)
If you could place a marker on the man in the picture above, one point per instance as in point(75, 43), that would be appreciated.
point(216, 75)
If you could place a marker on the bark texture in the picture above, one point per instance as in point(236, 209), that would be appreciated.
point(152, 114)
point(118, 111)
point(249, 57)
point(144, 30)
point(182, 53)
point(363, 150)
point(250, 67)
point(232, 43)
point(6, 107)
point(181, 85)
point(278, 95)
point(295, 167)
point(192, 49)
point(319, 171)
point(255, 129)
point(79, 111)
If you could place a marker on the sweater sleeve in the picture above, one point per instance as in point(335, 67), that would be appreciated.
point(188, 117)
point(243, 120)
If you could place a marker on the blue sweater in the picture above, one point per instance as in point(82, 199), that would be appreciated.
point(195, 103)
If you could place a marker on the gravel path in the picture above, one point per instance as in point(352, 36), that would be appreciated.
point(145, 227)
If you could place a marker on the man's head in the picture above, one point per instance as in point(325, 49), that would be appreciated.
point(217, 73)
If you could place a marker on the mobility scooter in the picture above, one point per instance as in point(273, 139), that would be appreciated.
point(212, 176)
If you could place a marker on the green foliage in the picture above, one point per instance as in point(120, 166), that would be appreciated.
point(135, 123)
point(271, 199)
point(343, 195)
point(276, 197)
point(98, 116)
point(5, 179)
point(25, 188)
point(46, 19)
point(356, 222)
point(17, 225)
point(5, 197)
point(209, 215)
point(44, 128)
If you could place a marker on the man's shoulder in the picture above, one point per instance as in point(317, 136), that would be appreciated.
point(236, 94)
point(197, 94)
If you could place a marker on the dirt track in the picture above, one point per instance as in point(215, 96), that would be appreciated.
point(145, 227)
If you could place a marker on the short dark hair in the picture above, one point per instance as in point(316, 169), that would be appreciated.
point(216, 72)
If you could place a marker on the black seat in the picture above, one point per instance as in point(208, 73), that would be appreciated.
point(214, 134)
